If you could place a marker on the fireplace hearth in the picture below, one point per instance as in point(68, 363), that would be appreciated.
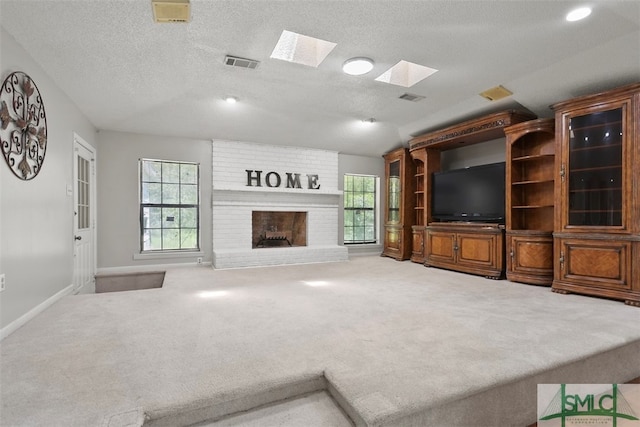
point(272, 229)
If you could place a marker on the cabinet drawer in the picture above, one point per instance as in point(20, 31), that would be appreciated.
point(597, 263)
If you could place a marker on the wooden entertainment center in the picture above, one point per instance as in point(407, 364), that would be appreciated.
point(469, 247)
point(572, 193)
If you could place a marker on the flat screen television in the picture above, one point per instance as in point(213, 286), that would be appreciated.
point(471, 194)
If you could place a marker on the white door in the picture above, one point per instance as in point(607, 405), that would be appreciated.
point(84, 253)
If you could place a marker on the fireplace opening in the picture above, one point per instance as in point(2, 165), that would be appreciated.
point(272, 229)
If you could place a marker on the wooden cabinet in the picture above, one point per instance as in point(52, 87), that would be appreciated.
point(425, 161)
point(417, 247)
point(530, 157)
point(467, 247)
point(597, 222)
point(529, 256)
point(398, 206)
point(600, 267)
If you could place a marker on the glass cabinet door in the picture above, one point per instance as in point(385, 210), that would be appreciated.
point(393, 193)
point(595, 176)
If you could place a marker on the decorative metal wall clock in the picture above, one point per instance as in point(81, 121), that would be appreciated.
point(23, 126)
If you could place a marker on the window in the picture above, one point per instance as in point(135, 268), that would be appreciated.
point(169, 206)
point(360, 209)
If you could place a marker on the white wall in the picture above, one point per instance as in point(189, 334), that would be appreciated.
point(36, 216)
point(118, 226)
point(474, 155)
point(118, 202)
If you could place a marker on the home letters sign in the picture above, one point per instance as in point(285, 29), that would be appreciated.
point(273, 179)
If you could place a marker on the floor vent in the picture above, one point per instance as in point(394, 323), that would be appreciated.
point(411, 97)
point(171, 10)
point(235, 61)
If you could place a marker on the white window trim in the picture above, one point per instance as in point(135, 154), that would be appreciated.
point(170, 253)
point(378, 224)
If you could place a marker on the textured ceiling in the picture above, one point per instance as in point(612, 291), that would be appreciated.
point(127, 73)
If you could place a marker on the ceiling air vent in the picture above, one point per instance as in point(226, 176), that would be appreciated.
point(496, 93)
point(171, 10)
point(235, 61)
point(411, 97)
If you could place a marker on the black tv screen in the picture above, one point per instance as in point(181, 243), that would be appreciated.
point(470, 194)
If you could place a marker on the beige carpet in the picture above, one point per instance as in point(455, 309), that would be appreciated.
point(401, 344)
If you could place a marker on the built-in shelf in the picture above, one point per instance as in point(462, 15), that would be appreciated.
point(537, 181)
point(530, 203)
point(533, 157)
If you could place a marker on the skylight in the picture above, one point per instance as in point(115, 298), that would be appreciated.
point(406, 74)
point(301, 49)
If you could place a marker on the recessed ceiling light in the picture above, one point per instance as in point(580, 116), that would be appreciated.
point(405, 74)
point(231, 99)
point(301, 49)
point(357, 66)
point(578, 14)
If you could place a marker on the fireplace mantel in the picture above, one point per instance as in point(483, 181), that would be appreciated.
point(275, 190)
point(275, 199)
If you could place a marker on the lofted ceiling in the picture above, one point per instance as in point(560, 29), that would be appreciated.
point(127, 73)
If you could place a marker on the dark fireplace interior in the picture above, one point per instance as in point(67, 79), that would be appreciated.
point(272, 229)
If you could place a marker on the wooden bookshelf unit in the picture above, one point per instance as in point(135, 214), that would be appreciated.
point(530, 201)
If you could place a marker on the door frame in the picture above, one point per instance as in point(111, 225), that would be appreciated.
point(79, 141)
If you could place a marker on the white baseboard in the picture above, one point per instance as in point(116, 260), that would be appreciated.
point(364, 250)
point(147, 268)
point(22, 320)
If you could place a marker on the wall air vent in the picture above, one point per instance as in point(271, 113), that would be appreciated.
point(235, 61)
point(496, 93)
point(411, 97)
point(171, 10)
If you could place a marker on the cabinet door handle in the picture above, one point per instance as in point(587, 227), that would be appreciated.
point(561, 260)
point(512, 253)
point(562, 172)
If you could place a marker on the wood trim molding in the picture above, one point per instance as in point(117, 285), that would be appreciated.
point(470, 132)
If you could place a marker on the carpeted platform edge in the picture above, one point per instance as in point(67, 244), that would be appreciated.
point(240, 400)
point(515, 403)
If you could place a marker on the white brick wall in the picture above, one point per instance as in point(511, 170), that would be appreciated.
point(233, 202)
point(232, 159)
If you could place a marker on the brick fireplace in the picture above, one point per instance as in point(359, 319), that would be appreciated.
point(289, 194)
